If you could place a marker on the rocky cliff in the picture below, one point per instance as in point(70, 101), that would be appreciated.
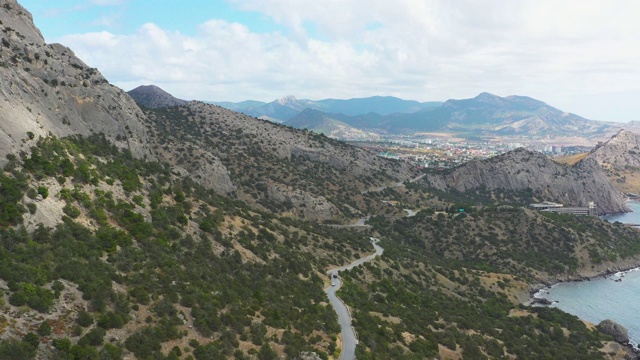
point(522, 169)
point(45, 89)
point(620, 152)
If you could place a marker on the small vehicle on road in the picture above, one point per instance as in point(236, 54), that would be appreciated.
point(333, 284)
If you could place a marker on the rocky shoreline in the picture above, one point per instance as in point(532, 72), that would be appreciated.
point(536, 299)
point(548, 284)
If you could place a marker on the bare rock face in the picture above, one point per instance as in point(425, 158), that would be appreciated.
point(619, 332)
point(522, 169)
point(212, 174)
point(308, 206)
point(620, 152)
point(47, 90)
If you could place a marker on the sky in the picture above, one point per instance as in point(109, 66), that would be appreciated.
point(579, 56)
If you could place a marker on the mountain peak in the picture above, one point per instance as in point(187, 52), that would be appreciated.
point(486, 95)
point(287, 100)
point(153, 97)
point(489, 98)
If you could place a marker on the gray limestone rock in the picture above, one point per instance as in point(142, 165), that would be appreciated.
point(619, 332)
point(522, 170)
point(46, 90)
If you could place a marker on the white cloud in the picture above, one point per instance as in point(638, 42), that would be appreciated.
point(557, 51)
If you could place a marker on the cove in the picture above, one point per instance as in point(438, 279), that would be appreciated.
point(612, 297)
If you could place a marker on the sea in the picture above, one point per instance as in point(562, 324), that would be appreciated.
point(612, 297)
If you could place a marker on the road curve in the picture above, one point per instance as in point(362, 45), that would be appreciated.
point(348, 334)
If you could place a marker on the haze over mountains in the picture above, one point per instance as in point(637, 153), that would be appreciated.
point(483, 115)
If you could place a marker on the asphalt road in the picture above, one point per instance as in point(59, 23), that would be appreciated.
point(349, 340)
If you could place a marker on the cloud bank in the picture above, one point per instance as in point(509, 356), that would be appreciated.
point(558, 51)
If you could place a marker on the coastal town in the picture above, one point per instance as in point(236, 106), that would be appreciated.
point(442, 153)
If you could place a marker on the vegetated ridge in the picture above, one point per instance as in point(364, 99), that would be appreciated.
point(328, 124)
point(288, 171)
point(153, 97)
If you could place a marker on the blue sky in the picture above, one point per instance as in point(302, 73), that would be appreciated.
point(578, 55)
point(63, 17)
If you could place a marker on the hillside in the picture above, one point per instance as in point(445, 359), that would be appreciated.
point(288, 171)
point(153, 97)
point(133, 253)
point(524, 171)
point(620, 158)
point(196, 233)
point(328, 124)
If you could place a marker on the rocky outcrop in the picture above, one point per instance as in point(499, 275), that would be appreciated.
point(309, 356)
point(620, 152)
point(306, 205)
point(153, 97)
point(46, 89)
point(617, 331)
point(522, 169)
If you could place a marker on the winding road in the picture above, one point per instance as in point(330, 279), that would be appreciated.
point(397, 185)
point(349, 340)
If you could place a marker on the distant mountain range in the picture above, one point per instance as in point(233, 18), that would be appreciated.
point(483, 115)
point(153, 97)
point(288, 107)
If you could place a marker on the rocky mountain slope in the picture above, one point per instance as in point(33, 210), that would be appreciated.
point(286, 170)
point(620, 158)
point(46, 89)
point(153, 97)
point(621, 152)
point(328, 124)
point(521, 170)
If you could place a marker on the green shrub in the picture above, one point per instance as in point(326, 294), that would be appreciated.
point(44, 191)
point(71, 211)
point(84, 319)
point(44, 329)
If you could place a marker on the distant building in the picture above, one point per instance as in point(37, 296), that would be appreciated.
point(559, 208)
point(545, 205)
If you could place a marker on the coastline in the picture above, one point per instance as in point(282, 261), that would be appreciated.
point(537, 292)
point(545, 285)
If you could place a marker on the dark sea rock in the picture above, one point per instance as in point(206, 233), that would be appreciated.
point(542, 301)
point(619, 332)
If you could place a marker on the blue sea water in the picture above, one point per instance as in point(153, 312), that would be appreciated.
point(604, 298)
